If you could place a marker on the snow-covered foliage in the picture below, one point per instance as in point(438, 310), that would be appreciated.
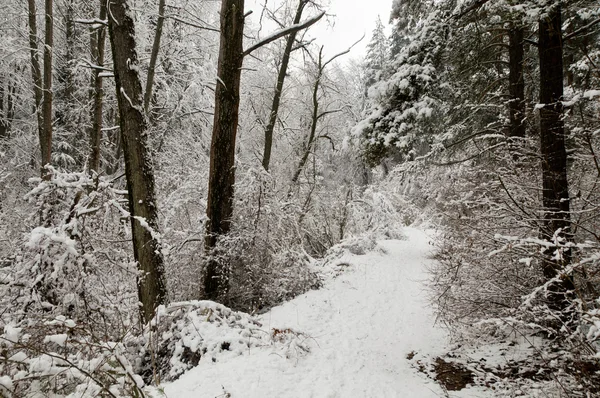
point(55, 355)
point(67, 265)
point(185, 333)
point(377, 56)
point(404, 101)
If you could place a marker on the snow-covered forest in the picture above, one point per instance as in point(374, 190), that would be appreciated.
point(200, 199)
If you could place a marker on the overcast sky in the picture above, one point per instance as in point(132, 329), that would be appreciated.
point(352, 19)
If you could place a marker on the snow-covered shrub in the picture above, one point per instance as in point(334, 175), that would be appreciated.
point(379, 213)
point(77, 263)
point(490, 256)
point(264, 252)
point(275, 236)
point(56, 356)
point(185, 333)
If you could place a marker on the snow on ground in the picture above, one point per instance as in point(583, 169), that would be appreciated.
point(360, 327)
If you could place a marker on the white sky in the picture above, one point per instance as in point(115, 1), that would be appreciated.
point(348, 20)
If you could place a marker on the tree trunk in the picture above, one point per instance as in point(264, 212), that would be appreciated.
point(285, 60)
point(222, 151)
point(154, 55)
point(98, 42)
point(3, 116)
point(516, 82)
point(313, 121)
point(7, 109)
point(46, 142)
point(555, 194)
point(70, 54)
point(36, 73)
point(138, 168)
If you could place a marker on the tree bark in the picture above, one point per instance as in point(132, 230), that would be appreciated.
point(555, 194)
point(98, 43)
point(516, 82)
point(154, 55)
point(70, 53)
point(285, 60)
point(3, 115)
point(36, 73)
point(222, 150)
point(46, 142)
point(151, 283)
point(7, 109)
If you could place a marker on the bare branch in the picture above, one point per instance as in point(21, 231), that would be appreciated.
point(582, 29)
point(192, 24)
point(342, 53)
point(283, 32)
point(95, 21)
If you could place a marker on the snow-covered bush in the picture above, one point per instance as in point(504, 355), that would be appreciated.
point(184, 333)
point(264, 252)
point(57, 356)
point(76, 263)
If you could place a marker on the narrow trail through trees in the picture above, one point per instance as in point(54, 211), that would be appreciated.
point(361, 327)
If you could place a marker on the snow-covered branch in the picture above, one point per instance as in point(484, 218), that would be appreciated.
point(283, 32)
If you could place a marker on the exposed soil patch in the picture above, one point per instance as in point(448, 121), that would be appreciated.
point(453, 376)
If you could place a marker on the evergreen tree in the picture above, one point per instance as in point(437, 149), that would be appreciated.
point(377, 54)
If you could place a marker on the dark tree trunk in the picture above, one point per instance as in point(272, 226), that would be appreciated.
point(97, 44)
point(516, 82)
point(154, 55)
point(285, 60)
point(138, 168)
point(36, 73)
point(7, 109)
point(46, 142)
point(554, 156)
point(3, 116)
point(10, 101)
point(222, 150)
point(70, 53)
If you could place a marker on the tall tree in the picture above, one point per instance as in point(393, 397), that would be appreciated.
point(98, 39)
point(70, 33)
point(516, 81)
point(46, 141)
point(222, 149)
point(377, 53)
point(36, 73)
point(4, 120)
point(221, 179)
point(147, 251)
point(555, 186)
point(316, 113)
point(283, 67)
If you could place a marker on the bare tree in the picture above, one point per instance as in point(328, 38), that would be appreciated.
point(151, 283)
point(221, 177)
point(316, 114)
point(283, 67)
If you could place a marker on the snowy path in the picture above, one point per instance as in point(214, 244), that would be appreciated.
point(361, 325)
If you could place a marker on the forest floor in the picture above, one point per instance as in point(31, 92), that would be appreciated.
point(369, 332)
